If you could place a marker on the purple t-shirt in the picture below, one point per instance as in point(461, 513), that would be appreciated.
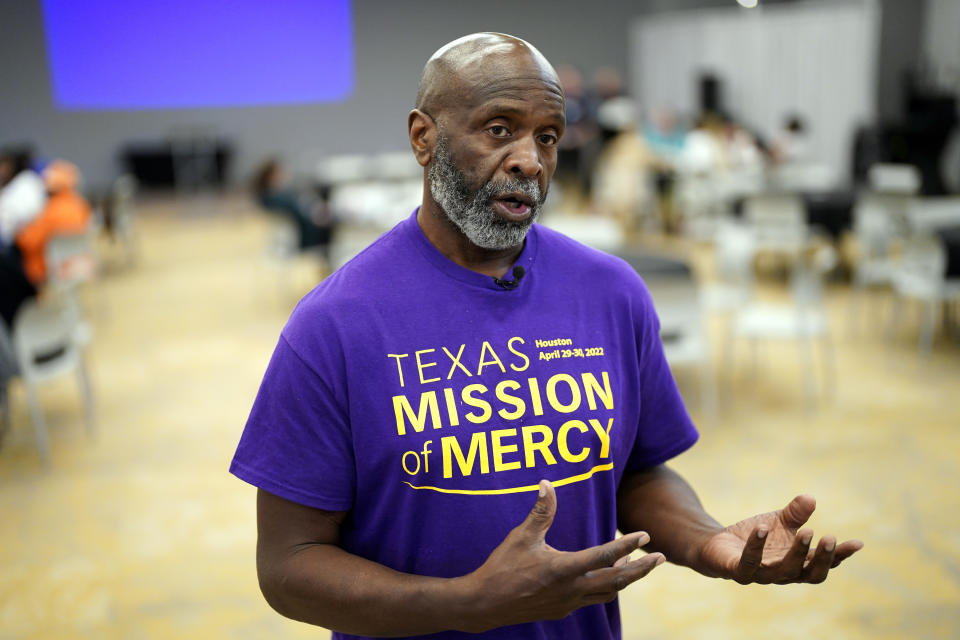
point(429, 402)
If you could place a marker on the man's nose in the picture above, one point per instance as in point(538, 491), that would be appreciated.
point(524, 159)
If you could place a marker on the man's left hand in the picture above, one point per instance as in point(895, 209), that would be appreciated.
point(771, 548)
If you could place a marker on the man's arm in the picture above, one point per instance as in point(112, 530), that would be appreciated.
point(305, 575)
point(663, 500)
point(765, 548)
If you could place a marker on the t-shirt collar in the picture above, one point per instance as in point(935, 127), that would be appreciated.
point(411, 229)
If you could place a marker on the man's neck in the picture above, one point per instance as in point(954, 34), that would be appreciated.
point(451, 242)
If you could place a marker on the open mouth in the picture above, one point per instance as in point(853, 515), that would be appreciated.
point(515, 204)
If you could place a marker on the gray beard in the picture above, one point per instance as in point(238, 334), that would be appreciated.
point(472, 210)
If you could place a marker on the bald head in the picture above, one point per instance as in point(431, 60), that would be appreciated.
point(453, 74)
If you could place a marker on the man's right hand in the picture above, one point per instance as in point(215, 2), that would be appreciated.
point(524, 579)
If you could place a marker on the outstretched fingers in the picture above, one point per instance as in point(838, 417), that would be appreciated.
point(605, 555)
point(828, 556)
point(751, 557)
point(790, 568)
point(603, 585)
point(821, 562)
point(845, 550)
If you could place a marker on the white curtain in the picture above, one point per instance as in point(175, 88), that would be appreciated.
point(817, 60)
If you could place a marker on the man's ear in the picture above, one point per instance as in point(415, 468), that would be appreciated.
point(423, 136)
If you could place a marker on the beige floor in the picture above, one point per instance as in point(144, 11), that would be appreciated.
point(141, 533)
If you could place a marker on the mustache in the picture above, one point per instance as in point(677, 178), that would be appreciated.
point(527, 186)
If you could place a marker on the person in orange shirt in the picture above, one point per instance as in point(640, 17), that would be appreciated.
point(66, 212)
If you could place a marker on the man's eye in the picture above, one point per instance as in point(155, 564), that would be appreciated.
point(548, 139)
point(499, 131)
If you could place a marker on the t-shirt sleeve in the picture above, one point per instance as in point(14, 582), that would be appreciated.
point(665, 428)
point(297, 442)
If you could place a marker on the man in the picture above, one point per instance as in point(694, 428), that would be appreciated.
point(66, 212)
point(464, 364)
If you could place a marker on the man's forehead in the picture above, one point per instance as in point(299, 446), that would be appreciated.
point(501, 79)
point(487, 84)
point(515, 95)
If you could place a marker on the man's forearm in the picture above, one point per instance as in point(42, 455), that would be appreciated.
point(660, 502)
point(324, 585)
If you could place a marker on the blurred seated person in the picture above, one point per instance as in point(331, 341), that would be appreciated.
point(22, 194)
point(703, 147)
point(665, 138)
point(664, 135)
point(312, 219)
point(23, 268)
point(66, 212)
point(742, 148)
point(720, 144)
point(620, 180)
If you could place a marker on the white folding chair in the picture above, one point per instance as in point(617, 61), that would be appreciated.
point(682, 328)
point(920, 275)
point(879, 222)
point(123, 216)
point(733, 252)
point(46, 343)
point(70, 260)
point(777, 220)
point(71, 263)
point(804, 320)
point(683, 332)
point(8, 370)
point(281, 251)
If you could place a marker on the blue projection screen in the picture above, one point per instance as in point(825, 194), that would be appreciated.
point(167, 54)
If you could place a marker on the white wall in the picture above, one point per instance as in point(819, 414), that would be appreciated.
point(814, 59)
point(941, 43)
point(941, 58)
point(392, 42)
point(393, 39)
